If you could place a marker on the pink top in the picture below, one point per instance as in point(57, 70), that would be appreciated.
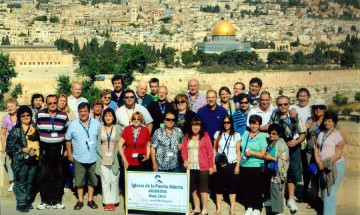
point(328, 149)
point(7, 123)
point(205, 155)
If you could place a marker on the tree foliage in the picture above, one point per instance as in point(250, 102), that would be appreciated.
point(16, 92)
point(63, 45)
point(5, 40)
point(7, 72)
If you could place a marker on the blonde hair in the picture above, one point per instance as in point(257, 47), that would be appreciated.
point(66, 109)
point(138, 114)
point(11, 101)
point(97, 102)
point(104, 92)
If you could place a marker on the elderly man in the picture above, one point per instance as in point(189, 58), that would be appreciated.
point(52, 128)
point(196, 98)
point(117, 95)
point(158, 108)
point(212, 114)
point(124, 113)
point(255, 85)
point(265, 110)
point(75, 98)
point(81, 139)
point(141, 97)
point(294, 133)
point(154, 86)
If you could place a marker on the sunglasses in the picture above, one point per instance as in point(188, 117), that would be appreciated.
point(129, 97)
point(243, 103)
point(180, 102)
point(321, 107)
point(25, 115)
point(136, 119)
point(170, 119)
point(227, 122)
point(283, 104)
point(107, 97)
point(52, 103)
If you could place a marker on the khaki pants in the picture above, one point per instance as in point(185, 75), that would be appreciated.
point(110, 185)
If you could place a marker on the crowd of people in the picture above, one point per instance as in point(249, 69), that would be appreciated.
point(241, 145)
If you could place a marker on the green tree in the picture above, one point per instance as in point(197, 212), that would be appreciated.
point(7, 72)
point(54, 19)
point(278, 58)
point(205, 39)
point(227, 58)
point(63, 85)
point(357, 96)
point(231, 15)
point(63, 44)
point(353, 28)
point(290, 34)
point(299, 58)
point(5, 40)
point(16, 92)
point(340, 100)
point(94, 46)
point(227, 7)
point(348, 59)
point(187, 57)
point(41, 18)
point(339, 29)
point(76, 47)
point(108, 50)
point(169, 57)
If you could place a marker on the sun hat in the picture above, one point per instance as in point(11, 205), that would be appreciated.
point(319, 102)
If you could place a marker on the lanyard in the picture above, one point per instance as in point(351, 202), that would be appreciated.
point(127, 113)
point(247, 141)
point(135, 137)
point(162, 108)
point(192, 102)
point(226, 143)
point(99, 117)
point(169, 137)
point(86, 129)
point(53, 121)
point(181, 116)
point(268, 148)
point(27, 131)
point(324, 138)
point(317, 128)
point(109, 136)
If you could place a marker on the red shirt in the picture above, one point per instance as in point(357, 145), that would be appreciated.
point(141, 143)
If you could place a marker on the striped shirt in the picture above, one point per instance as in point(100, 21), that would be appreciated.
point(240, 121)
point(51, 133)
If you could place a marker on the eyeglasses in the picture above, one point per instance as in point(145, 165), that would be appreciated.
point(136, 119)
point(25, 115)
point(180, 102)
point(283, 104)
point(243, 103)
point(227, 122)
point(273, 133)
point(52, 103)
point(170, 119)
point(107, 97)
point(129, 97)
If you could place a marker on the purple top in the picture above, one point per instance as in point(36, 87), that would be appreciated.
point(198, 102)
point(7, 123)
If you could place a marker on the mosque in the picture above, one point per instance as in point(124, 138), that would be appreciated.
point(223, 39)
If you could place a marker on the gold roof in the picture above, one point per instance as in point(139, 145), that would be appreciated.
point(223, 28)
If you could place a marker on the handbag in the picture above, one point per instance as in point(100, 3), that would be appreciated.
point(221, 158)
point(312, 169)
point(273, 165)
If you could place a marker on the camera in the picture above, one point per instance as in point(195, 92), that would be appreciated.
point(245, 157)
point(140, 157)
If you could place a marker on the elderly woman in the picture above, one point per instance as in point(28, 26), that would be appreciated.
point(165, 145)
point(330, 161)
point(277, 157)
point(97, 109)
point(184, 114)
point(136, 138)
point(227, 142)
point(225, 101)
point(107, 163)
point(8, 122)
point(105, 97)
point(197, 153)
point(253, 145)
point(23, 146)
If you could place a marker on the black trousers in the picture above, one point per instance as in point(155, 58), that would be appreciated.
point(251, 179)
point(51, 178)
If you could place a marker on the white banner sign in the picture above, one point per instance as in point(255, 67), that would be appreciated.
point(157, 191)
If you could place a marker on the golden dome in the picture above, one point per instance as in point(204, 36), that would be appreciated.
point(223, 28)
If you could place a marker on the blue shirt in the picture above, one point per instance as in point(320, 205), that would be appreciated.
point(83, 147)
point(212, 119)
point(240, 121)
point(254, 144)
point(113, 105)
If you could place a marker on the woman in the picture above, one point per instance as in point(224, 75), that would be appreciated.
point(329, 159)
point(105, 97)
point(253, 145)
point(107, 163)
point(23, 146)
point(136, 138)
point(64, 107)
point(97, 109)
point(197, 153)
point(37, 101)
point(227, 141)
point(8, 122)
point(277, 157)
point(184, 114)
point(225, 101)
point(165, 144)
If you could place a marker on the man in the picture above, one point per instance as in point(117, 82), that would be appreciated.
point(158, 108)
point(212, 114)
point(124, 113)
point(196, 98)
point(265, 110)
point(240, 115)
point(117, 95)
point(154, 86)
point(239, 87)
point(81, 140)
point(37, 101)
point(75, 98)
point(141, 97)
point(255, 85)
point(294, 133)
point(52, 128)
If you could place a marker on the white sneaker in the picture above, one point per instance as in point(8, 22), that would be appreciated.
point(58, 206)
point(284, 202)
point(249, 211)
point(11, 188)
point(291, 204)
point(43, 206)
point(256, 212)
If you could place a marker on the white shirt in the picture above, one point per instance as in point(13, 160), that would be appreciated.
point(230, 149)
point(304, 112)
point(74, 103)
point(123, 115)
point(264, 115)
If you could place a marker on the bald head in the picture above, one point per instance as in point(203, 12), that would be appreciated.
point(162, 93)
point(76, 89)
point(141, 89)
point(193, 86)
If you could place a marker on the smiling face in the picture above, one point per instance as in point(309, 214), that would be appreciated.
point(303, 99)
point(52, 103)
point(254, 89)
point(62, 103)
point(211, 98)
point(273, 135)
point(11, 108)
point(169, 120)
point(25, 118)
point(193, 86)
point(141, 89)
point(108, 117)
point(238, 88)
point(106, 99)
point(254, 127)
point(76, 90)
point(283, 105)
point(162, 93)
point(38, 103)
point(265, 101)
point(129, 99)
point(244, 104)
point(180, 104)
point(226, 124)
point(84, 114)
point(319, 110)
point(97, 109)
point(195, 128)
point(224, 96)
point(117, 84)
point(329, 124)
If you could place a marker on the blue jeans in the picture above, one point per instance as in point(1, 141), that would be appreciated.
point(330, 199)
